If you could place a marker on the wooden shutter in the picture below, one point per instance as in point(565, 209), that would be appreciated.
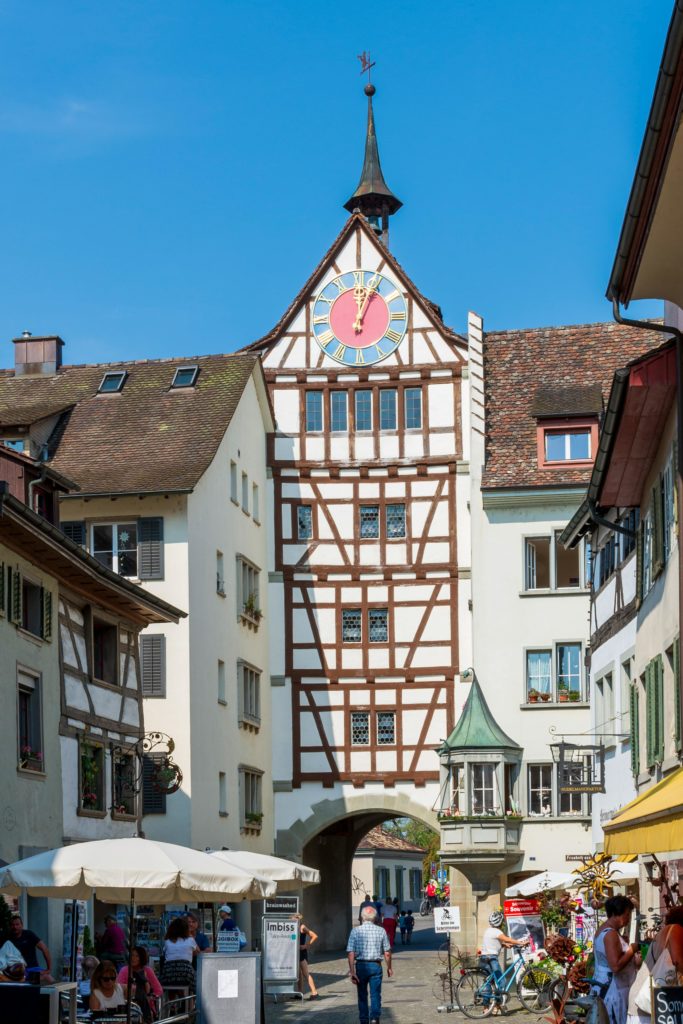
point(634, 730)
point(677, 692)
point(45, 614)
point(153, 802)
point(151, 548)
point(639, 563)
point(74, 529)
point(14, 586)
point(658, 672)
point(153, 665)
point(657, 530)
point(649, 717)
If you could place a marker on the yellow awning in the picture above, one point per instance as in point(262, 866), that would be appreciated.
point(626, 858)
point(652, 823)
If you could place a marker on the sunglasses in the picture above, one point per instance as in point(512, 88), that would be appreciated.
point(108, 977)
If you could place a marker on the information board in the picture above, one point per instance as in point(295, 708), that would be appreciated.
point(523, 919)
point(282, 905)
point(280, 950)
point(229, 988)
point(228, 942)
point(446, 919)
point(667, 1005)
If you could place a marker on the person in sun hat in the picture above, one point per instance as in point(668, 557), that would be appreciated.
point(227, 922)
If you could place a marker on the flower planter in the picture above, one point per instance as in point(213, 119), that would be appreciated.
point(563, 697)
point(532, 698)
point(545, 697)
point(32, 764)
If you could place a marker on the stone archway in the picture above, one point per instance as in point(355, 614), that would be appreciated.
point(327, 839)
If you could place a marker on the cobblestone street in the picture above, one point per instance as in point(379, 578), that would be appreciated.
point(407, 998)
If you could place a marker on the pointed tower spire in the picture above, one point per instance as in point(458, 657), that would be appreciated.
point(373, 197)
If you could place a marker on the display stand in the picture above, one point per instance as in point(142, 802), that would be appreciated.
point(229, 988)
point(280, 944)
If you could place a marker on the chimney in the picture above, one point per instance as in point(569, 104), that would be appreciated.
point(40, 356)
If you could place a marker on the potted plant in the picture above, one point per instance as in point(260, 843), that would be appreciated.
point(574, 696)
point(252, 609)
point(533, 696)
point(30, 759)
point(253, 818)
point(90, 770)
point(563, 693)
point(545, 697)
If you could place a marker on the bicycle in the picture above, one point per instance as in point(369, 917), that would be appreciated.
point(478, 991)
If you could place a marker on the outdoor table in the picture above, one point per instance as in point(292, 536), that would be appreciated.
point(21, 1002)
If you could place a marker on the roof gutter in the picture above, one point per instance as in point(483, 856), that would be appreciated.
point(88, 495)
point(634, 209)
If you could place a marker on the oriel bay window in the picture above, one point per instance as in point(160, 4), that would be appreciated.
point(481, 788)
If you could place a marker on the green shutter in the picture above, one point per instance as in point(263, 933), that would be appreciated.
point(15, 595)
point(649, 716)
point(677, 692)
point(639, 563)
point(658, 665)
point(46, 611)
point(657, 530)
point(635, 730)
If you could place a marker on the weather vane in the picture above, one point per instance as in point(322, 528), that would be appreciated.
point(366, 63)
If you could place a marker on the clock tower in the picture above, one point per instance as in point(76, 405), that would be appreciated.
point(367, 596)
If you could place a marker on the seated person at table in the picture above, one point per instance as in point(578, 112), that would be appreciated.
point(105, 991)
point(146, 985)
point(12, 965)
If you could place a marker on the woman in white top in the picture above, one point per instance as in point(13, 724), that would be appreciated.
point(105, 991)
point(179, 948)
point(492, 942)
point(616, 963)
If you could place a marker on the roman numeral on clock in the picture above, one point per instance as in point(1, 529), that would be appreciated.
point(339, 352)
point(340, 284)
point(325, 336)
point(398, 314)
point(393, 336)
point(360, 358)
point(393, 295)
point(320, 319)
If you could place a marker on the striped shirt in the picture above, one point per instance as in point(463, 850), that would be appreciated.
point(368, 942)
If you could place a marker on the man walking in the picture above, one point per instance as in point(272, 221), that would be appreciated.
point(366, 946)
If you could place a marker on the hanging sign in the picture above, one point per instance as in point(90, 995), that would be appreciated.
point(523, 919)
point(280, 950)
point(282, 905)
point(667, 1004)
point(446, 919)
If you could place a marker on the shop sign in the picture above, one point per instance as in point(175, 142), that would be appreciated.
point(668, 1004)
point(228, 942)
point(523, 919)
point(280, 950)
point(281, 905)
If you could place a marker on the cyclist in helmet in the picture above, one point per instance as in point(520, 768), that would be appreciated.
point(492, 941)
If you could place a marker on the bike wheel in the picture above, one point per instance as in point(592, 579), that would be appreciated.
point(533, 988)
point(443, 990)
point(474, 994)
point(424, 908)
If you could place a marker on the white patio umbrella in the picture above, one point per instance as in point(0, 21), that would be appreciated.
point(128, 870)
point(285, 873)
point(541, 883)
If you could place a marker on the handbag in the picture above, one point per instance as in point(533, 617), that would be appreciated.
point(663, 973)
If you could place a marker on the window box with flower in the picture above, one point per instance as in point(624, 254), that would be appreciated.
point(31, 760)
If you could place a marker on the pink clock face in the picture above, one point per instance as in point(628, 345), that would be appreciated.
point(345, 321)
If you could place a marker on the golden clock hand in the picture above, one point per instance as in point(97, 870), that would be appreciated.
point(369, 292)
point(359, 296)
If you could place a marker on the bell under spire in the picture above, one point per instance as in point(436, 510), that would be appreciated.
point(373, 197)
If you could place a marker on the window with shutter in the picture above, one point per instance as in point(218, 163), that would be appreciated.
point(657, 531)
point(151, 548)
point(639, 564)
point(658, 672)
point(16, 596)
point(153, 802)
point(634, 731)
point(649, 717)
point(46, 616)
point(153, 665)
point(75, 530)
point(677, 692)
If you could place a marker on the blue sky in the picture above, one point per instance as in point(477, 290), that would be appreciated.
point(173, 169)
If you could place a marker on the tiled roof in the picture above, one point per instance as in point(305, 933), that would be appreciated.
point(567, 400)
point(144, 439)
point(517, 363)
point(378, 839)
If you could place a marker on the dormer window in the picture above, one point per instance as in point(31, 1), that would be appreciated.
point(112, 382)
point(17, 444)
point(185, 377)
point(568, 445)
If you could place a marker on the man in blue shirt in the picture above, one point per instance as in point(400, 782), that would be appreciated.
point(227, 923)
point(366, 947)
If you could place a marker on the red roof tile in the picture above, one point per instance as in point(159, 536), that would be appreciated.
point(378, 839)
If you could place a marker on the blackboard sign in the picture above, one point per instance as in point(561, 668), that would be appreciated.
point(667, 1005)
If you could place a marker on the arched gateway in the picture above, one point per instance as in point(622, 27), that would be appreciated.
point(367, 599)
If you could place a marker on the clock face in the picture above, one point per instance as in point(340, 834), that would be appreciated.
point(359, 318)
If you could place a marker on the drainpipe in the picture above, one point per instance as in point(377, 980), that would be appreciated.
point(678, 335)
point(33, 484)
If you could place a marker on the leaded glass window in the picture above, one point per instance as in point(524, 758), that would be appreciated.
point(351, 625)
point(378, 625)
point(386, 728)
point(304, 521)
point(360, 728)
point(396, 521)
point(369, 521)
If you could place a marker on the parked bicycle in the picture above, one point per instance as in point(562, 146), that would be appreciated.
point(478, 992)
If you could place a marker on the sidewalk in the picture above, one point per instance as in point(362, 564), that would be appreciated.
point(407, 998)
